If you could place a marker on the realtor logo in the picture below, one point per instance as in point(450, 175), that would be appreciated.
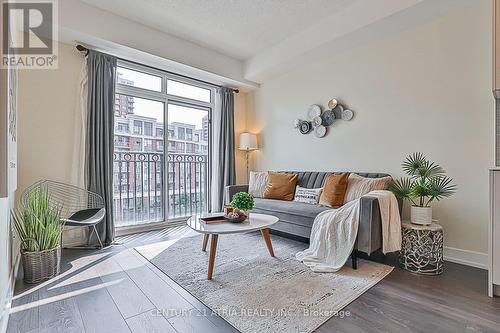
point(29, 34)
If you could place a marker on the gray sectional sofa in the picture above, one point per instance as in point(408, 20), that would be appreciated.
point(296, 218)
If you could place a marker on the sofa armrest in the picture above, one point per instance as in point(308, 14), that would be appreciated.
point(231, 190)
point(370, 226)
point(369, 237)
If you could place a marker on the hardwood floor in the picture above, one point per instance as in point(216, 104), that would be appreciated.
point(117, 290)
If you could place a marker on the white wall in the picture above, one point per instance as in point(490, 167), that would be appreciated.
point(46, 120)
point(427, 90)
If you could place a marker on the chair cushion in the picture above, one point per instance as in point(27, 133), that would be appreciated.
point(280, 186)
point(85, 217)
point(334, 190)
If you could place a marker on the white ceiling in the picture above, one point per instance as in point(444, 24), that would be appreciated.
point(238, 28)
point(241, 42)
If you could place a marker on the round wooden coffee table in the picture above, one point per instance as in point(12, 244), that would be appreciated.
point(256, 221)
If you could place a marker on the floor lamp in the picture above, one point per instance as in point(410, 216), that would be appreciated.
point(248, 142)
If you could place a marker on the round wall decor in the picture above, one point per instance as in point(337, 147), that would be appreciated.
point(305, 127)
point(317, 121)
point(332, 103)
point(347, 115)
point(313, 111)
point(328, 118)
point(320, 131)
point(320, 121)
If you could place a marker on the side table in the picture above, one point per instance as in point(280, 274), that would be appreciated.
point(421, 248)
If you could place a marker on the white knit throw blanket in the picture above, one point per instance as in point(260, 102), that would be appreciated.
point(334, 233)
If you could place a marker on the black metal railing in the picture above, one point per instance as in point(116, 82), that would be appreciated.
point(187, 184)
point(140, 190)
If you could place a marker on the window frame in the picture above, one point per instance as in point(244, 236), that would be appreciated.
point(162, 96)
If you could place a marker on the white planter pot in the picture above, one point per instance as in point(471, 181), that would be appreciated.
point(421, 215)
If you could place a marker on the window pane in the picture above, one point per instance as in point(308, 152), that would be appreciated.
point(181, 133)
point(137, 127)
point(138, 190)
point(188, 91)
point(128, 77)
point(148, 129)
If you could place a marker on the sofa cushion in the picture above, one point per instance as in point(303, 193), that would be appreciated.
point(334, 190)
point(358, 186)
point(308, 195)
point(257, 184)
point(315, 179)
point(289, 211)
point(280, 186)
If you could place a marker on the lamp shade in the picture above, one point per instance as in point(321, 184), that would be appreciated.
point(248, 141)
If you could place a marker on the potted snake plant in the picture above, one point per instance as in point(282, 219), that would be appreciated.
point(39, 228)
point(426, 182)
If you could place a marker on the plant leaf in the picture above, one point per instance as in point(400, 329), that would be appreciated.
point(413, 163)
point(441, 187)
point(401, 187)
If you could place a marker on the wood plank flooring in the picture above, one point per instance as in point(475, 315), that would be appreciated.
point(117, 290)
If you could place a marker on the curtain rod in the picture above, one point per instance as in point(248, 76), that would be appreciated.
point(86, 50)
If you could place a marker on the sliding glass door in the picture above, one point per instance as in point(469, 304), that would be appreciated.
point(188, 147)
point(161, 147)
point(138, 161)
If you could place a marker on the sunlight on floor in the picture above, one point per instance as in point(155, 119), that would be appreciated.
point(66, 295)
point(153, 249)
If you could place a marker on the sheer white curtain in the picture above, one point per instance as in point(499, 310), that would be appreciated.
point(79, 128)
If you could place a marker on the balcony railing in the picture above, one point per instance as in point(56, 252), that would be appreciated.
point(141, 192)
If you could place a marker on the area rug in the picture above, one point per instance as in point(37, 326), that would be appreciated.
point(257, 293)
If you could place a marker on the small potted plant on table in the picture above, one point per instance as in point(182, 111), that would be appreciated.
point(242, 203)
point(427, 182)
point(39, 228)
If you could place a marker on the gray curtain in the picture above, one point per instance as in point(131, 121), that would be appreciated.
point(223, 164)
point(99, 138)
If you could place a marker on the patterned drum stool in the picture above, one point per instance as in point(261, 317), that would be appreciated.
point(422, 248)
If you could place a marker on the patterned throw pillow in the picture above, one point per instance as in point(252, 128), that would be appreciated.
point(307, 195)
point(358, 186)
point(257, 184)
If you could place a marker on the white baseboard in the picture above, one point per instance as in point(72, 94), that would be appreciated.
point(466, 257)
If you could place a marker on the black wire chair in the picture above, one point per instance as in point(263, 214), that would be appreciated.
point(79, 207)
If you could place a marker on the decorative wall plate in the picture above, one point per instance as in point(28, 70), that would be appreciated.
point(305, 127)
point(313, 111)
point(320, 131)
point(338, 111)
point(332, 103)
point(328, 118)
point(347, 115)
point(317, 121)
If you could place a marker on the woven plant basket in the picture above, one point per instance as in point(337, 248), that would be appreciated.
point(42, 265)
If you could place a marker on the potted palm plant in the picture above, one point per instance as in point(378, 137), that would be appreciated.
point(39, 228)
point(426, 183)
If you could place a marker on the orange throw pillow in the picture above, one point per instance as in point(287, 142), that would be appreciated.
point(281, 186)
point(334, 190)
